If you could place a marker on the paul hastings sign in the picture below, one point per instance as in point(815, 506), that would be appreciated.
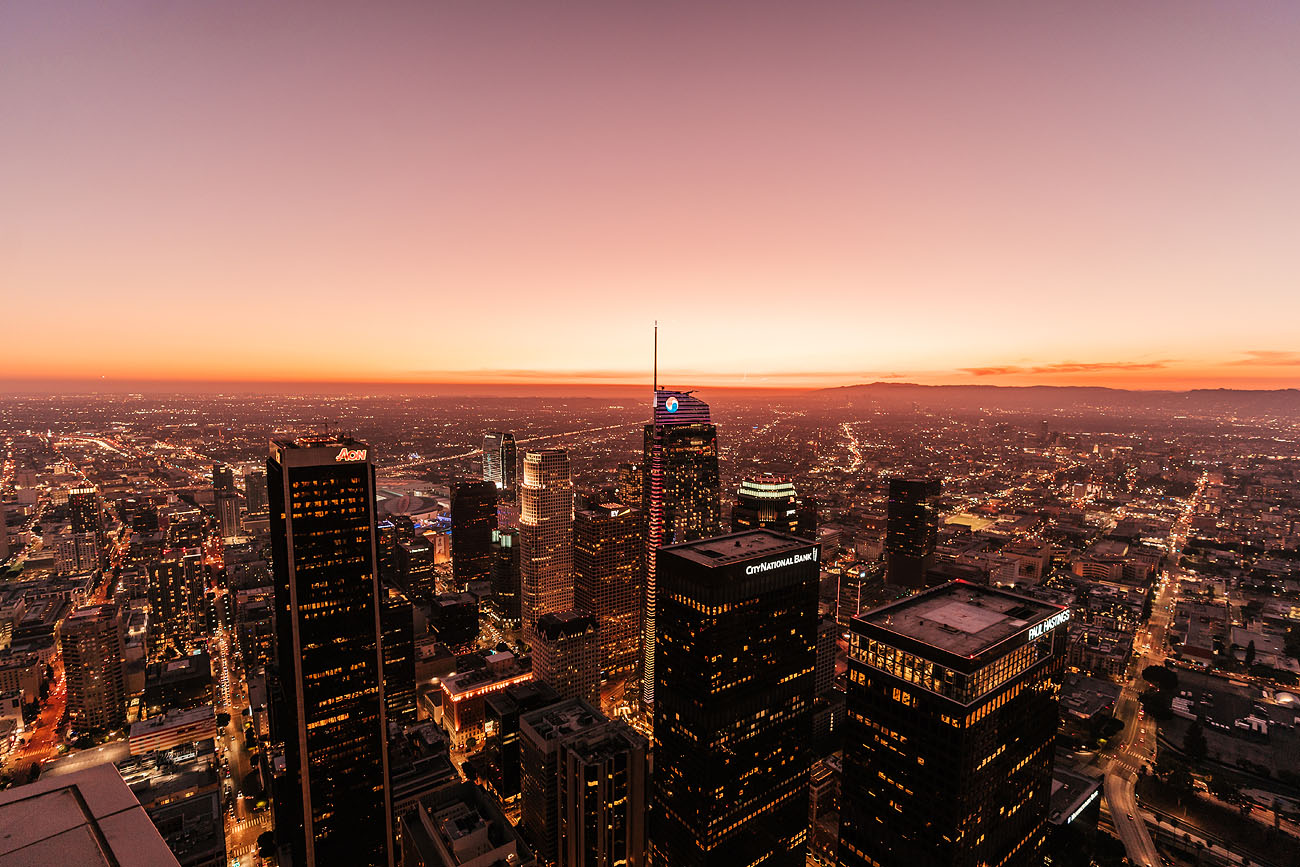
point(758, 568)
point(1040, 629)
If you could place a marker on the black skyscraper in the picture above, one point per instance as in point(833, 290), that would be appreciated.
point(682, 493)
point(912, 530)
point(952, 715)
point(331, 805)
point(505, 576)
point(735, 677)
point(473, 518)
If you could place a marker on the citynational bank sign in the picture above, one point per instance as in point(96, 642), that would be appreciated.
point(781, 563)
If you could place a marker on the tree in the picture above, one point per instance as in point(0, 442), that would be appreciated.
point(1194, 742)
point(223, 720)
point(1250, 653)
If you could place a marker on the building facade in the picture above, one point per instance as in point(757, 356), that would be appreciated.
point(566, 654)
point(545, 536)
point(500, 462)
point(912, 531)
point(608, 553)
point(473, 518)
point(733, 702)
point(92, 644)
point(331, 807)
point(681, 490)
point(950, 732)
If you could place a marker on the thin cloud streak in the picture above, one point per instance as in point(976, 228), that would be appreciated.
point(1064, 367)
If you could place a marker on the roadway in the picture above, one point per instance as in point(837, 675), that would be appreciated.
point(1138, 746)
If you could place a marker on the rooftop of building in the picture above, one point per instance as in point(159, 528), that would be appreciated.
point(566, 718)
point(1072, 791)
point(738, 547)
point(557, 624)
point(174, 719)
point(961, 618)
point(87, 818)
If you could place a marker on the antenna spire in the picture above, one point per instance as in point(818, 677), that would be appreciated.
point(656, 362)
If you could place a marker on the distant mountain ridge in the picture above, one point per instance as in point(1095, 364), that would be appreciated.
point(1284, 401)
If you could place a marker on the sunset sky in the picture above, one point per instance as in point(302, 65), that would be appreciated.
point(803, 194)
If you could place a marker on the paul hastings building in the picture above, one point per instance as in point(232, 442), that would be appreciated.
point(952, 716)
point(734, 691)
point(330, 802)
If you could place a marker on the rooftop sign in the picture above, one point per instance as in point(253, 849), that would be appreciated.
point(757, 568)
point(1040, 629)
point(347, 454)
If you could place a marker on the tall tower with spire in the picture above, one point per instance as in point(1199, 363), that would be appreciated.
point(681, 491)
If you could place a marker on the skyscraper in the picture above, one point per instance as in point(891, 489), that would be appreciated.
point(629, 485)
point(681, 491)
point(766, 501)
point(331, 806)
point(87, 524)
point(733, 700)
point(473, 518)
point(952, 715)
point(499, 466)
point(223, 478)
point(608, 550)
point(566, 654)
point(398, 621)
point(912, 531)
point(545, 536)
point(505, 576)
point(92, 645)
point(178, 603)
point(255, 492)
point(583, 787)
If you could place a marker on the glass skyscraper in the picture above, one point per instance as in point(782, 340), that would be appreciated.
point(681, 491)
point(912, 531)
point(331, 807)
point(499, 466)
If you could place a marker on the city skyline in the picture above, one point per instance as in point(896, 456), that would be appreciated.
point(957, 195)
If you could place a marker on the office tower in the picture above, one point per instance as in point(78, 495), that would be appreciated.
point(223, 478)
point(499, 462)
point(87, 527)
point(255, 492)
point(913, 529)
point(681, 490)
point(92, 645)
point(473, 518)
point(397, 618)
point(1044, 432)
point(453, 618)
point(83, 510)
point(608, 546)
point(733, 699)
point(766, 501)
point(331, 806)
point(566, 654)
point(505, 576)
point(629, 485)
point(414, 561)
point(177, 602)
point(828, 702)
point(227, 506)
point(501, 713)
point(602, 798)
point(583, 786)
point(545, 536)
point(952, 714)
